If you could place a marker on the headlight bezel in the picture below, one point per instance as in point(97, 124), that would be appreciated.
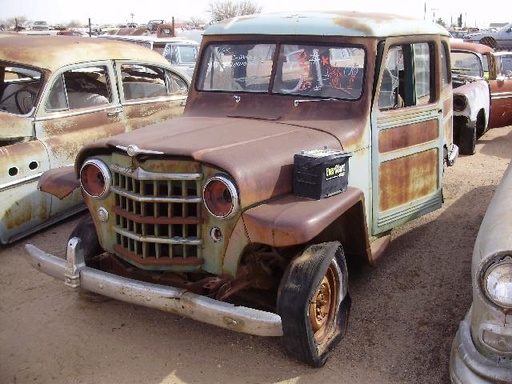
point(217, 186)
point(491, 275)
point(103, 175)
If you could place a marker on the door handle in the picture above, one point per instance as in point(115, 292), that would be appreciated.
point(114, 112)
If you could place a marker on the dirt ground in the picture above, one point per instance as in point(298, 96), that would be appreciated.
point(405, 311)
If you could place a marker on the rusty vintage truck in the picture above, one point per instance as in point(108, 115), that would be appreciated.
point(305, 140)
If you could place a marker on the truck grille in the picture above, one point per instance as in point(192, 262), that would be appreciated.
point(157, 217)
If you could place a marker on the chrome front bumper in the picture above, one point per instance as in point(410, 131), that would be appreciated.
point(469, 366)
point(181, 302)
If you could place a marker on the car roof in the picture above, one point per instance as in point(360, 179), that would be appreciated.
point(468, 46)
point(53, 52)
point(326, 23)
point(150, 38)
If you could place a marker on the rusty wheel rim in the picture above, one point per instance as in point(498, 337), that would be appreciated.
point(323, 305)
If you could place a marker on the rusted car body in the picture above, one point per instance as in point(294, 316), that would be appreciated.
point(219, 216)
point(471, 93)
point(500, 80)
point(482, 92)
point(60, 93)
point(482, 348)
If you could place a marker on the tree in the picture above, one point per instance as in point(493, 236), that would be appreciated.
point(441, 22)
point(225, 9)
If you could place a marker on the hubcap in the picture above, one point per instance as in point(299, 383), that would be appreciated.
point(322, 305)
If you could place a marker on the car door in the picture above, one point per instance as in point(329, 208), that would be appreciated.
point(411, 117)
point(80, 105)
point(500, 81)
point(150, 92)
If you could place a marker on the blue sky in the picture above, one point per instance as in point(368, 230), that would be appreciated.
point(111, 11)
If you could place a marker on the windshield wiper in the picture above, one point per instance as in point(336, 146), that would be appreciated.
point(296, 102)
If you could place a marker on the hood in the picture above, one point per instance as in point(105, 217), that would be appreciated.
point(257, 154)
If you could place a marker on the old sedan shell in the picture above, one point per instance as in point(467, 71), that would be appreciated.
point(58, 93)
point(497, 72)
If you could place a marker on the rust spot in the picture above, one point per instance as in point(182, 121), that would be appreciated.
point(407, 136)
point(398, 185)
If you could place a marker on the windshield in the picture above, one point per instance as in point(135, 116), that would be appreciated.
point(297, 69)
point(180, 54)
point(466, 63)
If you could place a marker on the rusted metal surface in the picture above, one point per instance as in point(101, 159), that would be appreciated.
point(65, 50)
point(51, 130)
point(59, 182)
point(160, 216)
point(275, 223)
point(396, 190)
point(407, 136)
point(501, 93)
point(333, 23)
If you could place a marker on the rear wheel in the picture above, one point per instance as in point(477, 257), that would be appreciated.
point(314, 303)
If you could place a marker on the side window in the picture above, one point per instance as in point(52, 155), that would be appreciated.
point(445, 62)
point(178, 85)
point(19, 88)
point(146, 82)
point(389, 94)
point(407, 76)
point(80, 88)
point(422, 71)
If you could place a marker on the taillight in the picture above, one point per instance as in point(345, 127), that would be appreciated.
point(220, 197)
point(95, 178)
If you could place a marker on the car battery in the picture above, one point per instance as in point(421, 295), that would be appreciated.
point(320, 173)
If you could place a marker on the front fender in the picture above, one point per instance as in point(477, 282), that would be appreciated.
point(294, 220)
point(59, 182)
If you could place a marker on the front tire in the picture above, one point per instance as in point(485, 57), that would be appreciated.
point(467, 140)
point(314, 303)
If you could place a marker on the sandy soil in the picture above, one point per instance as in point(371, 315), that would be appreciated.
point(405, 311)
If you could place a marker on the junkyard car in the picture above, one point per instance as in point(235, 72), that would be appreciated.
point(305, 140)
point(471, 94)
point(482, 349)
point(482, 92)
point(499, 40)
point(59, 93)
point(180, 53)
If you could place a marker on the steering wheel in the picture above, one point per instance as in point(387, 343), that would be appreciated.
point(24, 99)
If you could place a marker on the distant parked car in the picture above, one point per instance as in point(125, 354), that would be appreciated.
point(180, 52)
point(482, 92)
point(482, 348)
point(58, 93)
point(471, 94)
point(40, 26)
point(499, 40)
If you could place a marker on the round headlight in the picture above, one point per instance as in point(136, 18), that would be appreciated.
point(459, 103)
point(95, 178)
point(220, 197)
point(497, 282)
